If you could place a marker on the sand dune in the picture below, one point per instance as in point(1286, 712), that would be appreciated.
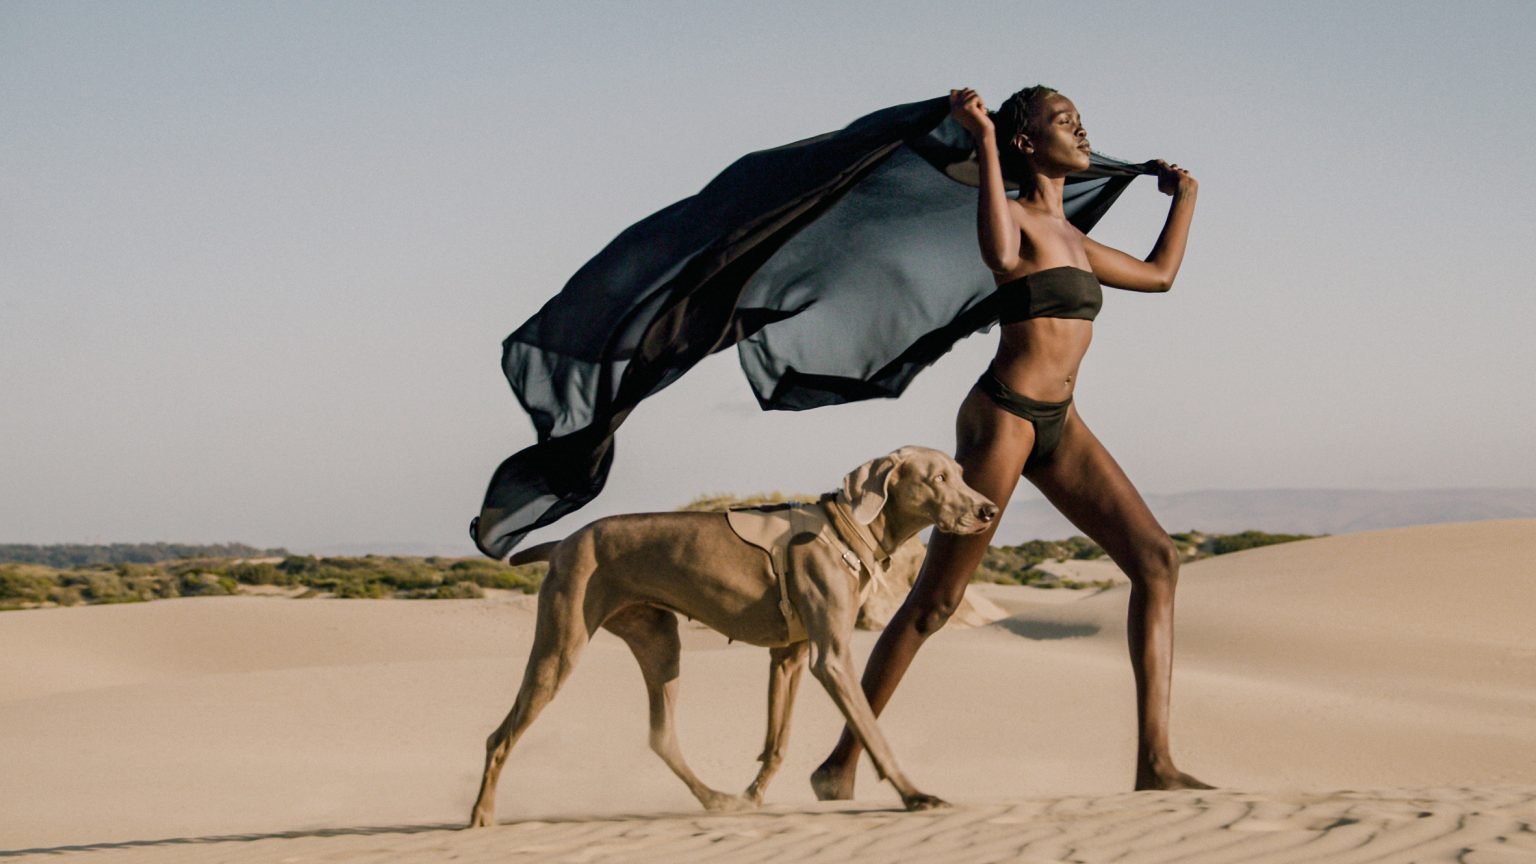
point(1361, 697)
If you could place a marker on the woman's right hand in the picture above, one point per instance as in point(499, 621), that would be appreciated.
point(965, 106)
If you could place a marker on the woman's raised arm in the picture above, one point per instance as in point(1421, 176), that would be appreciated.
point(1119, 270)
point(996, 232)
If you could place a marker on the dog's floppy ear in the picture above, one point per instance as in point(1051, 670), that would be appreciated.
point(866, 486)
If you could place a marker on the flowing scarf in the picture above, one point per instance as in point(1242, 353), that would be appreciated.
point(840, 266)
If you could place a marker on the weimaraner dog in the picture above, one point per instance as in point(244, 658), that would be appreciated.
point(634, 574)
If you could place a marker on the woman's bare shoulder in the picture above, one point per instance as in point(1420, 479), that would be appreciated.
point(1024, 218)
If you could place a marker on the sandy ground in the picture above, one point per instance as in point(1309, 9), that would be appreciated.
point(1360, 697)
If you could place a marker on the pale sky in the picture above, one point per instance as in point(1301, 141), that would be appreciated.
point(257, 259)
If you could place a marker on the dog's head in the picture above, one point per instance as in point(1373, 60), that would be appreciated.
point(922, 481)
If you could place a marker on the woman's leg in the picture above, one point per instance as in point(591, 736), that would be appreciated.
point(1083, 481)
point(991, 446)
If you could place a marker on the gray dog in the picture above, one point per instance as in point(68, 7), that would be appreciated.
point(787, 579)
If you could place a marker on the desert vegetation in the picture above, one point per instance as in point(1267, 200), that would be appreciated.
point(67, 556)
point(1018, 565)
point(1197, 545)
point(73, 574)
point(24, 585)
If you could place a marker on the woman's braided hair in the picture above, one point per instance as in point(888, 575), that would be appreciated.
point(1021, 113)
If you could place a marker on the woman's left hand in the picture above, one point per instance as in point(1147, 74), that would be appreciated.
point(1171, 178)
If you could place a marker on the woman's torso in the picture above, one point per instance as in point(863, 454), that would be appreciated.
point(1047, 323)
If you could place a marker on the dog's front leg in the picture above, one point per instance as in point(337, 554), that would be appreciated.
point(783, 681)
point(830, 607)
point(834, 668)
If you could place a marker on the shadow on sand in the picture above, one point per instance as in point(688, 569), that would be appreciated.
point(1045, 630)
point(231, 838)
point(849, 808)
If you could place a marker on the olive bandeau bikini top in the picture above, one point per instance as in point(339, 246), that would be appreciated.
point(1056, 292)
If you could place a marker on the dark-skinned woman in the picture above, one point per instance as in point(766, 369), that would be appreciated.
point(1019, 420)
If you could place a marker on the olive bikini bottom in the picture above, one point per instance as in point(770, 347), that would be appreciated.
point(1048, 417)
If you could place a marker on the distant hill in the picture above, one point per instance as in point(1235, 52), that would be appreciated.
point(1300, 511)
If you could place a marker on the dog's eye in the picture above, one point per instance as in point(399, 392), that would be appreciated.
point(938, 478)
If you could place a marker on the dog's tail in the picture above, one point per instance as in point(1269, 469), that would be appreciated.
point(540, 552)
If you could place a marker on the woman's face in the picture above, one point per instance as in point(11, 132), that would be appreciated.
point(1058, 139)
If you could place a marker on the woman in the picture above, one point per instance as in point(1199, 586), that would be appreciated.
point(1019, 421)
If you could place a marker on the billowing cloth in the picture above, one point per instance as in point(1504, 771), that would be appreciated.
point(840, 265)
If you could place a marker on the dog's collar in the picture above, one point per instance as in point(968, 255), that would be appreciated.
point(863, 542)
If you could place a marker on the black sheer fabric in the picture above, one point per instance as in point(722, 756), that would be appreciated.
point(840, 266)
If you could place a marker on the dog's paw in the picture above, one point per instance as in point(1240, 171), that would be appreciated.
point(919, 801)
point(480, 819)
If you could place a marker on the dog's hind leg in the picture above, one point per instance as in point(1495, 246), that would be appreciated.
point(783, 681)
point(651, 634)
point(560, 634)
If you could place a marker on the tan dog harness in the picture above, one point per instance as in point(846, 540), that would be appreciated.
point(772, 528)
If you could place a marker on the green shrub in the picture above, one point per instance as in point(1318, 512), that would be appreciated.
point(1010, 564)
point(66, 595)
point(525, 578)
point(359, 589)
point(1222, 544)
point(259, 574)
point(1090, 551)
point(105, 586)
point(206, 585)
point(458, 591)
point(298, 567)
point(22, 585)
point(406, 573)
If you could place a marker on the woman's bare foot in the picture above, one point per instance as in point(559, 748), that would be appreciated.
point(831, 783)
point(1162, 775)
